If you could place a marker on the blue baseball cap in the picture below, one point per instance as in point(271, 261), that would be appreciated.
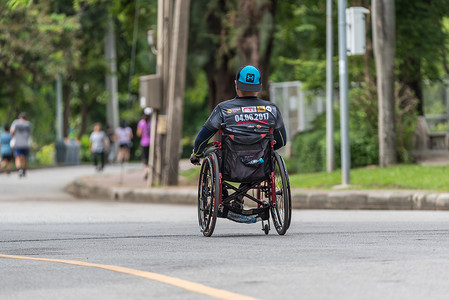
point(248, 79)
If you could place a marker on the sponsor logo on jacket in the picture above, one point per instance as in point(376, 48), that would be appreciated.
point(234, 110)
point(249, 109)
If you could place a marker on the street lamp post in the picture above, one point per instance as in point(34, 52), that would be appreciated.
point(344, 111)
point(329, 90)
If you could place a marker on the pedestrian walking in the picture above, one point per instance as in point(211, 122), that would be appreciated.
point(21, 141)
point(99, 145)
point(123, 135)
point(143, 131)
point(6, 150)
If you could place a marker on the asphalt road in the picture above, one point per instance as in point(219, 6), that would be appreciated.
point(48, 184)
point(325, 254)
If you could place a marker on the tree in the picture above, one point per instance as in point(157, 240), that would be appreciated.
point(384, 40)
point(232, 33)
point(87, 87)
point(421, 43)
point(36, 44)
point(300, 40)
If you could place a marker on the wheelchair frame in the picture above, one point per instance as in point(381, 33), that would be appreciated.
point(272, 194)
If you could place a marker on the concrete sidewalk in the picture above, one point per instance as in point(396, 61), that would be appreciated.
point(130, 186)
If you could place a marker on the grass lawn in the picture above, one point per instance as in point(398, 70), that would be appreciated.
point(434, 178)
point(395, 177)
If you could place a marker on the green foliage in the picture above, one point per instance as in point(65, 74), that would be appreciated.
point(363, 129)
point(36, 44)
point(420, 38)
point(422, 41)
point(300, 37)
point(406, 121)
point(46, 155)
point(434, 96)
point(195, 112)
point(85, 148)
point(15, 4)
point(308, 151)
point(40, 39)
point(309, 148)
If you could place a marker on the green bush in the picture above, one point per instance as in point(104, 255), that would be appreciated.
point(86, 156)
point(46, 155)
point(309, 148)
point(308, 152)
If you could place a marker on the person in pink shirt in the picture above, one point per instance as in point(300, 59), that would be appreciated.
point(143, 131)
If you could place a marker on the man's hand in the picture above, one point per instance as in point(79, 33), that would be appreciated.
point(195, 160)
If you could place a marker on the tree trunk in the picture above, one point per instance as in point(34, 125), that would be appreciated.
point(176, 84)
point(249, 47)
point(67, 92)
point(368, 57)
point(384, 41)
point(84, 118)
point(250, 44)
point(221, 84)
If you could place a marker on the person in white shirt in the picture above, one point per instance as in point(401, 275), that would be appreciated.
point(99, 145)
point(123, 134)
point(21, 135)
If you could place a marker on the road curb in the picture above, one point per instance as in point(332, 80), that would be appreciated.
point(301, 199)
point(385, 200)
point(176, 195)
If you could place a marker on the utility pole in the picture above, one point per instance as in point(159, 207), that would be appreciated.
point(344, 111)
point(164, 91)
point(157, 138)
point(59, 134)
point(167, 12)
point(330, 160)
point(176, 84)
point(111, 76)
point(153, 90)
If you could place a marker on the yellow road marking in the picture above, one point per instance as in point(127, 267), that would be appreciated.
point(184, 284)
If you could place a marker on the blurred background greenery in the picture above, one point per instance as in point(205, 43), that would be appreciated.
point(40, 39)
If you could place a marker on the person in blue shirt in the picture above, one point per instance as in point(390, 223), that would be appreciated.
point(6, 150)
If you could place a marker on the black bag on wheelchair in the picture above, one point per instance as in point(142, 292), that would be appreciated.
point(246, 158)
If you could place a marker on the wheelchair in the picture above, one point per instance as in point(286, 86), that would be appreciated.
point(248, 168)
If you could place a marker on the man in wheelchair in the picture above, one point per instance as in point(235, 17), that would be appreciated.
point(246, 115)
point(250, 128)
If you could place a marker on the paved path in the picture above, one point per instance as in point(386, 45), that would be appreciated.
point(49, 183)
point(324, 255)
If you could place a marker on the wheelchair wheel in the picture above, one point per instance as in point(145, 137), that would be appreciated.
point(281, 210)
point(208, 192)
